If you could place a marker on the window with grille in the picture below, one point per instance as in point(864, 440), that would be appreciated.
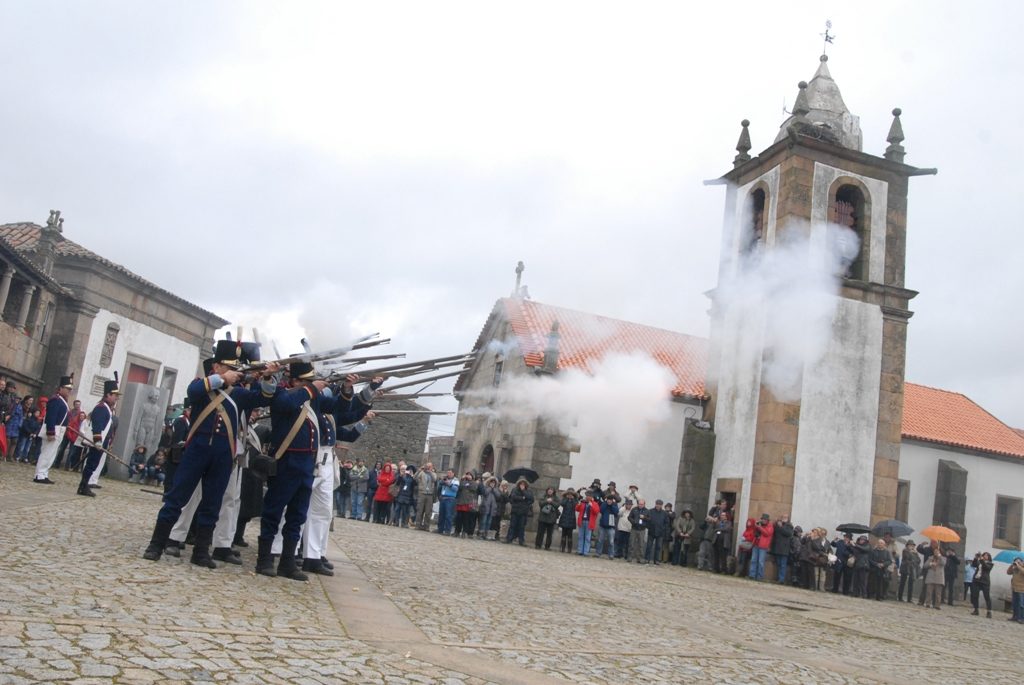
point(848, 210)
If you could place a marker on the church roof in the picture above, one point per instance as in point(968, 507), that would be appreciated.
point(585, 338)
point(819, 110)
point(949, 418)
point(23, 237)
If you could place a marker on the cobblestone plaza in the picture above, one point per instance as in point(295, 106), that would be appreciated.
point(79, 605)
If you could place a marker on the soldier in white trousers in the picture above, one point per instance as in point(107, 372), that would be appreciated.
point(227, 521)
point(321, 503)
point(57, 414)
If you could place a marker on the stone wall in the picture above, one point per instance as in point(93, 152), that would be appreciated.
point(393, 436)
point(695, 465)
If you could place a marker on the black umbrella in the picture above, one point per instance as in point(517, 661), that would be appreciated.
point(855, 528)
point(512, 475)
point(893, 527)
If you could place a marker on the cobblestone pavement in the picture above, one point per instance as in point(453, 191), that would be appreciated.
point(79, 605)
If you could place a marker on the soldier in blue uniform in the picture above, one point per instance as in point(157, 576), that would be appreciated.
point(57, 414)
point(102, 420)
point(338, 408)
point(217, 404)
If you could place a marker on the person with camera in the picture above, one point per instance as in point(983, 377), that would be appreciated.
point(982, 582)
point(448, 490)
point(782, 535)
point(567, 520)
point(587, 514)
point(547, 518)
point(842, 570)
point(764, 530)
point(1016, 571)
point(606, 525)
point(910, 568)
point(521, 503)
point(952, 571)
point(721, 545)
point(935, 578)
point(639, 518)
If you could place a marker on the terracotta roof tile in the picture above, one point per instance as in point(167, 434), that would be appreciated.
point(949, 418)
point(23, 237)
point(585, 338)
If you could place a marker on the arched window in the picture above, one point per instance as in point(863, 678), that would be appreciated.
point(754, 223)
point(499, 367)
point(109, 342)
point(850, 210)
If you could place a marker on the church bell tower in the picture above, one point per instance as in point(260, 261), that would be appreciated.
point(826, 450)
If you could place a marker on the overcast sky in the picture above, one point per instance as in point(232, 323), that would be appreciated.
point(347, 167)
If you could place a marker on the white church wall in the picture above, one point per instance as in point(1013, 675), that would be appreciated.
point(164, 351)
point(987, 478)
point(652, 466)
point(735, 339)
point(835, 453)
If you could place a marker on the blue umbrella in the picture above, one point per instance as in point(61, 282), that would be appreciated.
point(1008, 556)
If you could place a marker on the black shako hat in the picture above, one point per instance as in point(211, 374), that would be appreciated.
point(110, 387)
point(67, 381)
point(250, 352)
point(228, 353)
point(301, 371)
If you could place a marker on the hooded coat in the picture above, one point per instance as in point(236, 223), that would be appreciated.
point(521, 499)
point(384, 481)
point(567, 519)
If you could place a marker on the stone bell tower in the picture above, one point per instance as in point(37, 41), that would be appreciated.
point(827, 451)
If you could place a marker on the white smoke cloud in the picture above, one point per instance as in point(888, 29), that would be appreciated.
point(791, 286)
point(616, 405)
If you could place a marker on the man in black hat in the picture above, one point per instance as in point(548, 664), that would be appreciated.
point(57, 414)
point(218, 403)
point(102, 421)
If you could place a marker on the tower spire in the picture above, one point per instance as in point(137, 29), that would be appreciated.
point(896, 152)
point(743, 145)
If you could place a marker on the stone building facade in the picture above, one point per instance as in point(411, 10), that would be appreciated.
point(28, 303)
point(393, 436)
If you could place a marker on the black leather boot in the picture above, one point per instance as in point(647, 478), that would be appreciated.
point(286, 567)
point(323, 560)
point(227, 555)
point(173, 548)
point(85, 490)
point(201, 549)
point(264, 561)
point(316, 566)
point(158, 541)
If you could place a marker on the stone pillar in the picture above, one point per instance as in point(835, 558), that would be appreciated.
point(5, 288)
point(26, 302)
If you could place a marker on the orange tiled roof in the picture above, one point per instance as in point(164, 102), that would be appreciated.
point(949, 418)
point(586, 338)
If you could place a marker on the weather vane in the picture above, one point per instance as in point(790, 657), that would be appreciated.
point(827, 36)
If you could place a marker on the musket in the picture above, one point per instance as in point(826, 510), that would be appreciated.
point(362, 360)
point(378, 412)
point(371, 343)
point(308, 357)
point(429, 379)
point(101, 448)
point(410, 396)
point(411, 368)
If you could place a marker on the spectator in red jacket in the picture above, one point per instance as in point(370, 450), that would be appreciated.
point(587, 513)
point(763, 532)
point(382, 498)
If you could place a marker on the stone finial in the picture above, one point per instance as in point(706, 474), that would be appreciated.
point(743, 145)
point(800, 107)
point(896, 152)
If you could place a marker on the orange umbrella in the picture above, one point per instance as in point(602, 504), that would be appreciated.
point(940, 533)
